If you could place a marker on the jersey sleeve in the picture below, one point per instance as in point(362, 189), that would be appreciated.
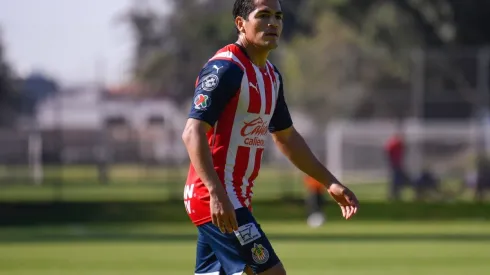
point(218, 82)
point(281, 119)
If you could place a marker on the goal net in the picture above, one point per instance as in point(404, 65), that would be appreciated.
point(355, 150)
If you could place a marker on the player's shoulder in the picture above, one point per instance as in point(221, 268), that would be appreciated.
point(221, 67)
point(224, 60)
point(220, 73)
point(227, 56)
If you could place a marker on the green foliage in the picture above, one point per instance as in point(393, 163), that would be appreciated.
point(171, 48)
point(337, 54)
point(340, 66)
point(316, 65)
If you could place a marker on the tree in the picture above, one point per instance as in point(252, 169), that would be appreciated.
point(372, 71)
point(348, 62)
point(8, 97)
point(171, 48)
point(445, 29)
point(452, 33)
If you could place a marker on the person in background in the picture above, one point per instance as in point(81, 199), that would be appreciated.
point(315, 201)
point(395, 152)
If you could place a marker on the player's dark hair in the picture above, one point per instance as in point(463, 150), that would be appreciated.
point(243, 8)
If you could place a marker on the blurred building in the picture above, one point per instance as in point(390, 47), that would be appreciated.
point(89, 122)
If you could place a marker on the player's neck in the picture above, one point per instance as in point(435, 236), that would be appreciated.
point(257, 56)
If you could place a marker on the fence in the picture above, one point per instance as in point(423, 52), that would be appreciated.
point(354, 151)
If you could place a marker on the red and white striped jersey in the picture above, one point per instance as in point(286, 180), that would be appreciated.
point(243, 103)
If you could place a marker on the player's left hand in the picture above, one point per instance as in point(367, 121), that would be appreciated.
point(346, 199)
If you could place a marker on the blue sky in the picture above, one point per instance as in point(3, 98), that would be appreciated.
point(67, 38)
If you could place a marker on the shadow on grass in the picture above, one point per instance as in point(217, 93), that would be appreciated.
point(81, 237)
point(37, 213)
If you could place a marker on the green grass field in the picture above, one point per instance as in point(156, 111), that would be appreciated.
point(340, 248)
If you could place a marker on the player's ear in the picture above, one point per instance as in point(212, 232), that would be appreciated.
point(240, 24)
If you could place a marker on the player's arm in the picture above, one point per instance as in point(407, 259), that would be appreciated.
point(292, 144)
point(196, 142)
point(218, 82)
point(295, 148)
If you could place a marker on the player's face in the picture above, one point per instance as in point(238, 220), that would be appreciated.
point(264, 25)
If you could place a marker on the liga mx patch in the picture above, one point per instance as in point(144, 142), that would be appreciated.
point(247, 233)
point(260, 254)
point(210, 82)
point(201, 102)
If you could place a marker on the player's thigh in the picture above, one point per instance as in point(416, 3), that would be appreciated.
point(248, 246)
point(206, 260)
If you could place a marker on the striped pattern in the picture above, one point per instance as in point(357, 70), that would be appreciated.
point(237, 140)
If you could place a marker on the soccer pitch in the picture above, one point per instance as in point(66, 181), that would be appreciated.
point(340, 248)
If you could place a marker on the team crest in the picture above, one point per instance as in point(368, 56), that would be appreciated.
point(210, 82)
point(201, 102)
point(260, 254)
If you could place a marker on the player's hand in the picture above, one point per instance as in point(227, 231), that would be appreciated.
point(345, 198)
point(223, 212)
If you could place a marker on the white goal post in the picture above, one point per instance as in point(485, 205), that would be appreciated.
point(354, 149)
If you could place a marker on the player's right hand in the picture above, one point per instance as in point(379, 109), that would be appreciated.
point(223, 212)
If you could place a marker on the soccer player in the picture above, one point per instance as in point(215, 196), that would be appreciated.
point(238, 100)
